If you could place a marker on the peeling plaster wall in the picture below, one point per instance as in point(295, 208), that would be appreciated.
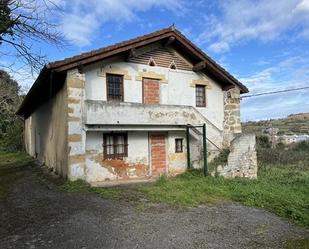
point(177, 161)
point(46, 133)
point(135, 166)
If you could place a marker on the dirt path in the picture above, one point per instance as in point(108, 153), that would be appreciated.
point(36, 214)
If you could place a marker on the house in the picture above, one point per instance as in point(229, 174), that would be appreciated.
point(290, 139)
point(122, 112)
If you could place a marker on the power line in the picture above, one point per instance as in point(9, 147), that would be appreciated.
point(274, 92)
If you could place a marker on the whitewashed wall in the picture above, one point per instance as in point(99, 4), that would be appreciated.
point(96, 170)
point(177, 162)
point(177, 90)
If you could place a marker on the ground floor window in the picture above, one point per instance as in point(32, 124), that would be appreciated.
point(178, 145)
point(115, 145)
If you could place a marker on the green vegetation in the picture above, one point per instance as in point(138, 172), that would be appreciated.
point(10, 124)
point(81, 186)
point(293, 124)
point(282, 186)
point(282, 191)
point(293, 157)
point(12, 167)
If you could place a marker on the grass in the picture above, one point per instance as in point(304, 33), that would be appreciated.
point(83, 187)
point(283, 191)
point(11, 169)
point(280, 188)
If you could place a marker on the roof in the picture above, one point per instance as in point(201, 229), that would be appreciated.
point(58, 68)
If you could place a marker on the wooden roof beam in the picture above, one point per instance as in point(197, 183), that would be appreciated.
point(199, 66)
point(169, 41)
point(131, 54)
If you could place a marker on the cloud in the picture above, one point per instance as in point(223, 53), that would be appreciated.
point(82, 19)
point(291, 72)
point(20, 73)
point(243, 20)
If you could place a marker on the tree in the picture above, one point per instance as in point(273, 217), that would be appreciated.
point(10, 124)
point(22, 23)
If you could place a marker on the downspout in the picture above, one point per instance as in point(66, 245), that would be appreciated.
point(188, 146)
point(205, 150)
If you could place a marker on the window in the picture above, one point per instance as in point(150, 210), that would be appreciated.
point(115, 145)
point(200, 96)
point(178, 145)
point(114, 85)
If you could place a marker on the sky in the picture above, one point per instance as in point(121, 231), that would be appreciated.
point(264, 44)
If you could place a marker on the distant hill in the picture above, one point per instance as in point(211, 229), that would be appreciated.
point(293, 124)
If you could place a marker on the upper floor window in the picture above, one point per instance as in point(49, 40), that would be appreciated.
point(114, 85)
point(200, 93)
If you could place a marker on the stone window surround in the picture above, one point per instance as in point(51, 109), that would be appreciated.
point(102, 72)
point(149, 74)
point(203, 82)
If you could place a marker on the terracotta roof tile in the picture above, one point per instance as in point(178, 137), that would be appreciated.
point(82, 56)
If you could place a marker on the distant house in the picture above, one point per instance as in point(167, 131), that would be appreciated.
point(122, 112)
point(289, 139)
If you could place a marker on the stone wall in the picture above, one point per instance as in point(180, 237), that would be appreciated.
point(242, 160)
point(76, 134)
point(231, 123)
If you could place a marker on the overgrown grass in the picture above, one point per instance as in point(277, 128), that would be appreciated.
point(282, 191)
point(11, 169)
point(280, 188)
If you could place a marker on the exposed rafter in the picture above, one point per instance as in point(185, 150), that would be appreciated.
point(131, 54)
point(169, 41)
point(199, 66)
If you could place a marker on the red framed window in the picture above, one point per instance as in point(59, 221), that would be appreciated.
point(115, 145)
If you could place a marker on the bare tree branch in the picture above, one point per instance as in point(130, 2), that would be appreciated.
point(24, 23)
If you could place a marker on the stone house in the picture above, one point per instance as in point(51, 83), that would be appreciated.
point(122, 112)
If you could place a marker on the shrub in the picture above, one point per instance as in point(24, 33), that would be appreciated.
point(263, 141)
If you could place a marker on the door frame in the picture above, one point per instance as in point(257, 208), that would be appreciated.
point(150, 133)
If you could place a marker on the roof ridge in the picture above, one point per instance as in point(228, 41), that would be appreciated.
point(90, 53)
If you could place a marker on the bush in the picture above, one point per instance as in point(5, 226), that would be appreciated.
point(301, 146)
point(296, 156)
point(263, 142)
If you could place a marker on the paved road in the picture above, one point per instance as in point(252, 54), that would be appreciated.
point(36, 214)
